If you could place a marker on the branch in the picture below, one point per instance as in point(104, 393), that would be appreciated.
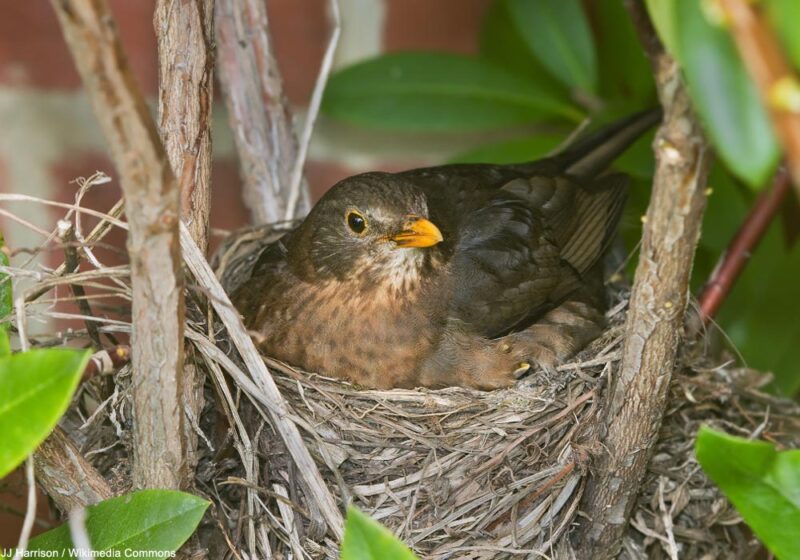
point(258, 110)
point(66, 476)
point(185, 32)
point(152, 206)
point(741, 247)
point(776, 81)
point(636, 400)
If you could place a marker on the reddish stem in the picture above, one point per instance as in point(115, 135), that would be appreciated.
point(742, 246)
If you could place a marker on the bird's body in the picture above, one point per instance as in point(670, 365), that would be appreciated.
point(452, 275)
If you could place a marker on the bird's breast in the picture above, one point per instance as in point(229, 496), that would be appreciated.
point(372, 335)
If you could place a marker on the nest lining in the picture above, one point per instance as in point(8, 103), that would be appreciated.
point(455, 473)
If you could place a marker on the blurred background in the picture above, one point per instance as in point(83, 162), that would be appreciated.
point(592, 66)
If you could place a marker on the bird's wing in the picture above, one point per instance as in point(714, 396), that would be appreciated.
point(525, 249)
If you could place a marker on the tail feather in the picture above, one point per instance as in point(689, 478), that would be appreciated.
point(590, 155)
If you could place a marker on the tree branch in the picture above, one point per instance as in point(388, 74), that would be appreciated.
point(773, 75)
point(636, 400)
point(65, 476)
point(185, 32)
point(152, 207)
point(258, 111)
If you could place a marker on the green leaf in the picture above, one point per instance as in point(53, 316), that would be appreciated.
point(624, 67)
point(438, 92)
point(724, 96)
point(6, 300)
point(760, 314)
point(785, 17)
point(144, 521)
point(35, 390)
point(365, 539)
point(512, 151)
point(662, 14)
point(502, 44)
point(762, 483)
point(557, 33)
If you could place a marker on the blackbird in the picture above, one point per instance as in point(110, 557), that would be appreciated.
point(465, 274)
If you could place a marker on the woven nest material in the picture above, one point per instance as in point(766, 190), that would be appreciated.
point(455, 473)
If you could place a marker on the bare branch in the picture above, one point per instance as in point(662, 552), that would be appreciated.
point(743, 244)
point(185, 32)
point(258, 110)
point(66, 476)
point(777, 83)
point(637, 399)
point(297, 186)
point(152, 206)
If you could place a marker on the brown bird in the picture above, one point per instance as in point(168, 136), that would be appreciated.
point(454, 275)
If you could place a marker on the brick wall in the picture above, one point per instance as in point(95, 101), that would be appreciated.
point(48, 135)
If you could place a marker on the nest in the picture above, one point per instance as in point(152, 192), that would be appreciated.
point(455, 473)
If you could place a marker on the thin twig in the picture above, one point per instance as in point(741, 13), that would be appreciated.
point(313, 111)
point(742, 246)
point(30, 511)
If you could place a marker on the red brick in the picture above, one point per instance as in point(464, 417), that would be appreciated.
point(300, 32)
point(13, 496)
point(449, 25)
point(33, 52)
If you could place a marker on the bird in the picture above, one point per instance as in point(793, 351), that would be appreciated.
point(467, 275)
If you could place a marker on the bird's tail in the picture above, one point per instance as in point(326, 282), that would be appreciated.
point(591, 154)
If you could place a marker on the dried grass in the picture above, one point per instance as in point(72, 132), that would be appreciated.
point(456, 473)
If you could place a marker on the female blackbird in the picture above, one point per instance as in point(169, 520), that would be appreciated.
point(453, 275)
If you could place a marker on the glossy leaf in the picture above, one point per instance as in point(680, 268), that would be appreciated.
point(785, 17)
point(144, 521)
point(662, 14)
point(365, 539)
point(762, 483)
point(501, 42)
point(35, 389)
point(438, 92)
point(724, 95)
point(6, 300)
point(623, 65)
point(512, 151)
point(557, 33)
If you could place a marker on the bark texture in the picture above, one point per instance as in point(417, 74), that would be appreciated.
point(258, 110)
point(152, 208)
point(185, 33)
point(65, 476)
point(636, 398)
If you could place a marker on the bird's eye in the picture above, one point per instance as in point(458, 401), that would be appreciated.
point(356, 222)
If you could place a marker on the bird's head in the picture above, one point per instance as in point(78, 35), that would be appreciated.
point(371, 226)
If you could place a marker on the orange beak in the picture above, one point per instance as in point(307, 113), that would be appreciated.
point(417, 232)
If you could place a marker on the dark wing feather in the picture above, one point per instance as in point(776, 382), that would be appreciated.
point(525, 250)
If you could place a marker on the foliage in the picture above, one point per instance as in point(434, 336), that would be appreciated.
point(763, 484)
point(144, 521)
point(543, 65)
point(365, 539)
point(35, 389)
